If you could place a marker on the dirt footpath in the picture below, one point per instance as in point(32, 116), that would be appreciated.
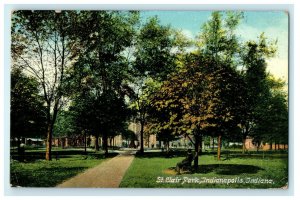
point(108, 174)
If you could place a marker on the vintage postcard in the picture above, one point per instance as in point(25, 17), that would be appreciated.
point(149, 99)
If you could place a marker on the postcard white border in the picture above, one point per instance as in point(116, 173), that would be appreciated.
point(133, 191)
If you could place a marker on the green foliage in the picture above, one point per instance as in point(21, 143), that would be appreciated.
point(209, 94)
point(109, 68)
point(272, 116)
point(41, 47)
point(128, 135)
point(259, 113)
point(65, 125)
point(217, 40)
point(196, 99)
point(99, 77)
point(204, 93)
point(98, 115)
point(153, 50)
point(153, 62)
point(28, 118)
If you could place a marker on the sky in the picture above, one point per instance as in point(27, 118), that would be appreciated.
point(273, 23)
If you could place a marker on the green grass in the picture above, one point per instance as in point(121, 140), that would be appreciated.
point(36, 172)
point(146, 171)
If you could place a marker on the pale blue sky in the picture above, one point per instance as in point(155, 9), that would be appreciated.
point(273, 23)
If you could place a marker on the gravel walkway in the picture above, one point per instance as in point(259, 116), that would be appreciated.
point(108, 174)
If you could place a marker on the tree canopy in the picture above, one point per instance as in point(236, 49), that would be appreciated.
point(28, 114)
point(95, 71)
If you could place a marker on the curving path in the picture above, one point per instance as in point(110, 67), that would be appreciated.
point(108, 174)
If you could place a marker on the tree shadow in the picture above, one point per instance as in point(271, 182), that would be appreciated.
point(162, 154)
point(220, 169)
point(29, 178)
point(57, 155)
point(228, 169)
point(258, 156)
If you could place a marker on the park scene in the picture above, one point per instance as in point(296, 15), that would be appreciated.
point(149, 99)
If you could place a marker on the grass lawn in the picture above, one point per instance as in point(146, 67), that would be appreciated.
point(36, 172)
point(234, 171)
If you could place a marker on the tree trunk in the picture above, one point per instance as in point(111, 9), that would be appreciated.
point(111, 141)
point(196, 160)
point(213, 143)
point(105, 145)
point(244, 144)
point(50, 123)
point(49, 143)
point(18, 145)
point(97, 143)
point(271, 146)
point(142, 138)
point(200, 145)
point(219, 147)
point(245, 133)
point(84, 139)
point(168, 146)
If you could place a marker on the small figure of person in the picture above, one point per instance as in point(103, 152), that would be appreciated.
point(185, 163)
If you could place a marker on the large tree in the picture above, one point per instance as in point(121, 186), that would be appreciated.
point(219, 44)
point(102, 115)
point(41, 47)
point(154, 61)
point(257, 90)
point(192, 104)
point(202, 97)
point(271, 121)
point(101, 72)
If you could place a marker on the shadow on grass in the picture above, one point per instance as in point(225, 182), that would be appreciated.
point(221, 169)
point(228, 169)
point(258, 156)
point(39, 178)
point(162, 154)
point(226, 155)
point(57, 155)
